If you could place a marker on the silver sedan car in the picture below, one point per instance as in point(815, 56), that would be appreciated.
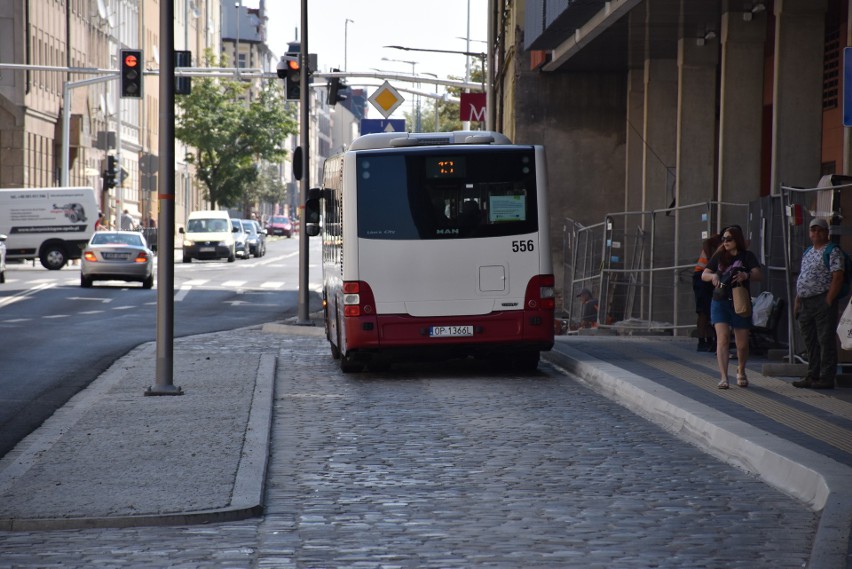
point(117, 256)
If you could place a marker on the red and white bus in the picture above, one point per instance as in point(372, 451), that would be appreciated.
point(435, 244)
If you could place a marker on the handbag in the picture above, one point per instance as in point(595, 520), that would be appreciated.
point(844, 328)
point(742, 301)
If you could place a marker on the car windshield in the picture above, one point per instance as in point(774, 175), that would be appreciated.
point(282, 220)
point(206, 225)
point(249, 228)
point(103, 238)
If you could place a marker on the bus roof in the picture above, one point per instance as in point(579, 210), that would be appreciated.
point(401, 139)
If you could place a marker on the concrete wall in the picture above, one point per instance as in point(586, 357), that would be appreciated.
point(580, 119)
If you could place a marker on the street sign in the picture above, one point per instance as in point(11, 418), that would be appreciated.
point(847, 86)
point(386, 99)
point(370, 126)
point(472, 107)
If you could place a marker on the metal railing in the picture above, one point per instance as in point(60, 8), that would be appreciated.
point(639, 264)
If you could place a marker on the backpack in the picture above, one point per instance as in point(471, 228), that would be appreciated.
point(847, 267)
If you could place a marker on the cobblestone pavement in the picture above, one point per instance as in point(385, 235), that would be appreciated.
point(460, 465)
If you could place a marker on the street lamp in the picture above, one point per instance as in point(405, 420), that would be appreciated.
point(346, 43)
point(437, 101)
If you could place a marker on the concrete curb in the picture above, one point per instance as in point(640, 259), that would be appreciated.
point(818, 481)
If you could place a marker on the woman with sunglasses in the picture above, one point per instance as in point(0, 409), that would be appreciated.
point(732, 264)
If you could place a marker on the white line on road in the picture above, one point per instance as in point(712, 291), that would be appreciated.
point(6, 301)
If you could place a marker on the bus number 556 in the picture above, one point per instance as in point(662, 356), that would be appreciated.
point(522, 246)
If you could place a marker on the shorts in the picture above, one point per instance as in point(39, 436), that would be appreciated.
point(722, 312)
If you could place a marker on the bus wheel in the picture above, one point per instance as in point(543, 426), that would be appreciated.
point(348, 364)
point(527, 361)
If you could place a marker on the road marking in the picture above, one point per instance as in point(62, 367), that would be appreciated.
point(273, 284)
point(56, 316)
point(233, 283)
point(125, 307)
point(89, 312)
point(6, 301)
point(181, 294)
point(97, 299)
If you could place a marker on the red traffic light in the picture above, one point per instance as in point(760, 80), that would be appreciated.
point(293, 64)
point(130, 60)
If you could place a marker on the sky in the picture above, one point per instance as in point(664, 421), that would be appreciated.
point(435, 24)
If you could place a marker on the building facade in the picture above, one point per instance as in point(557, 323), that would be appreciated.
point(646, 105)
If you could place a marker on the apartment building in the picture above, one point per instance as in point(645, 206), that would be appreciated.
point(70, 49)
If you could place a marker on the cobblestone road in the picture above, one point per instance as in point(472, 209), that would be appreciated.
point(462, 466)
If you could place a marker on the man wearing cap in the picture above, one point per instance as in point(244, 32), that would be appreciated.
point(589, 310)
point(816, 307)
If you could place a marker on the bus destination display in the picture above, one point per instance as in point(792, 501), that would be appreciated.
point(445, 167)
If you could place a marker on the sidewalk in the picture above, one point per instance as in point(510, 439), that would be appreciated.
point(113, 457)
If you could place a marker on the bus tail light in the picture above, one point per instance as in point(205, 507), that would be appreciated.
point(357, 299)
point(540, 293)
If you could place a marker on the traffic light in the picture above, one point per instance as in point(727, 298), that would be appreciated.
point(131, 73)
point(183, 85)
point(110, 173)
point(290, 70)
point(336, 89)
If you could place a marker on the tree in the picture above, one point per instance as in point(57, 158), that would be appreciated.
point(448, 113)
point(231, 136)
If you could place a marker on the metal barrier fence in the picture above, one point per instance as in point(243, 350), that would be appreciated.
point(639, 265)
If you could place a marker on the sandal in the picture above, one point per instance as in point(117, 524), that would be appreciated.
point(742, 380)
point(723, 384)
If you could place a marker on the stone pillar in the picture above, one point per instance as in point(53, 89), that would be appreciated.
point(635, 148)
point(741, 107)
point(659, 131)
point(797, 93)
point(696, 120)
point(696, 156)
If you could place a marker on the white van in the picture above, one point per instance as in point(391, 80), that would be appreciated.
point(52, 225)
point(208, 235)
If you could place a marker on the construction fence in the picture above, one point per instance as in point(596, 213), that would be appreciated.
point(639, 265)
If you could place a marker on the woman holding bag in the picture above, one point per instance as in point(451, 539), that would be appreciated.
point(732, 265)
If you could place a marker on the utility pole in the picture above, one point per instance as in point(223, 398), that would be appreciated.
point(305, 183)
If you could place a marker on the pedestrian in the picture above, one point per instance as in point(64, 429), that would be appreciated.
point(151, 223)
point(732, 264)
point(588, 310)
point(703, 292)
point(815, 307)
point(126, 221)
point(99, 224)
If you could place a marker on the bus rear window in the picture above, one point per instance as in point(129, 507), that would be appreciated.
point(417, 194)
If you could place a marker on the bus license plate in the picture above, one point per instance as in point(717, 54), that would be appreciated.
point(450, 331)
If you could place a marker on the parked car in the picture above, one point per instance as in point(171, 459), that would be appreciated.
point(241, 248)
point(256, 237)
point(279, 225)
point(2, 258)
point(117, 256)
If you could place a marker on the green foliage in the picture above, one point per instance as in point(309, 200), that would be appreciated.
point(231, 133)
point(448, 113)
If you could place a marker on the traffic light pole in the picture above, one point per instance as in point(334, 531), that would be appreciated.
point(305, 182)
point(166, 197)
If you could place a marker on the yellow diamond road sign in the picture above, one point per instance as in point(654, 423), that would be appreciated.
point(386, 99)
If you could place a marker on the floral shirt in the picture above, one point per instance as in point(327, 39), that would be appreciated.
point(815, 277)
